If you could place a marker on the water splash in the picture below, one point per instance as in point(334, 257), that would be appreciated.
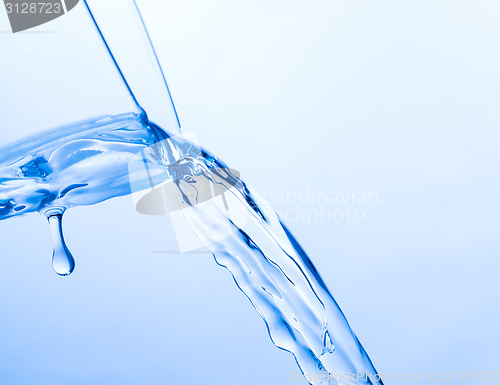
point(88, 163)
point(77, 165)
point(267, 263)
point(81, 164)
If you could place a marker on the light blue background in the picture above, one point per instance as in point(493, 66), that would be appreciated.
point(395, 97)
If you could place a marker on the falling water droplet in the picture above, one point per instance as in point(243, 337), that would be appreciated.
point(62, 260)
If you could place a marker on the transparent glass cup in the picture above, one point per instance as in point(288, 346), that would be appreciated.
point(81, 89)
point(85, 84)
point(95, 61)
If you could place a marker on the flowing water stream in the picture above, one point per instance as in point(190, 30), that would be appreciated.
point(93, 161)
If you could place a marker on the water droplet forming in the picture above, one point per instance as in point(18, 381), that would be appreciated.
point(62, 260)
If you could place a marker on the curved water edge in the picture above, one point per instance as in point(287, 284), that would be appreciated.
point(81, 164)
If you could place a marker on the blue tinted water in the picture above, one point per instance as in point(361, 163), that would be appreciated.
point(91, 162)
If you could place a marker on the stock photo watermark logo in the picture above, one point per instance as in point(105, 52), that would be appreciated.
point(206, 203)
point(25, 14)
point(187, 195)
point(362, 377)
point(312, 206)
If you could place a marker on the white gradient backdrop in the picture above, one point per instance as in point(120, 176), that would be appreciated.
point(394, 97)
